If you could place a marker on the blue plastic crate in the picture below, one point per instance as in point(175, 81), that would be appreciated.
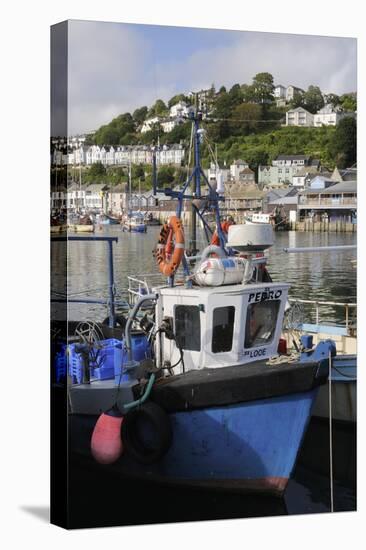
point(61, 364)
point(140, 350)
point(104, 357)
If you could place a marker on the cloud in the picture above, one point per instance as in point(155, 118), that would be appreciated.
point(328, 62)
point(107, 65)
point(114, 67)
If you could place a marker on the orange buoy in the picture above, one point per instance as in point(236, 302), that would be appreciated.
point(225, 228)
point(169, 257)
point(106, 442)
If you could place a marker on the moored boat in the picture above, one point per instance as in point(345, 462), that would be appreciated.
point(134, 223)
point(58, 223)
point(81, 224)
point(196, 392)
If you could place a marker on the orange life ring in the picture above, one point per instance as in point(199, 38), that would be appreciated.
point(168, 259)
point(225, 228)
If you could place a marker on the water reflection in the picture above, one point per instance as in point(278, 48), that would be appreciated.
point(326, 276)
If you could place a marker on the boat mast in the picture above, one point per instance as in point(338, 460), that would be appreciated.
point(129, 185)
point(196, 192)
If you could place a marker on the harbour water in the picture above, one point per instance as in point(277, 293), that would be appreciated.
point(328, 276)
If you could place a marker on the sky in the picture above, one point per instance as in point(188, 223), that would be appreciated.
point(115, 68)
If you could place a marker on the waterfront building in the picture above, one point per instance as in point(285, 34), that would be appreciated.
point(76, 196)
point(58, 199)
point(247, 176)
point(303, 178)
point(96, 196)
point(326, 199)
point(116, 199)
point(347, 174)
point(285, 199)
point(241, 198)
point(299, 117)
point(283, 169)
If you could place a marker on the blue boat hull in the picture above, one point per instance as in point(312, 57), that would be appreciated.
point(249, 446)
point(135, 228)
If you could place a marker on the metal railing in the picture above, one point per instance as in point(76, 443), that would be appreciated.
point(327, 202)
point(318, 304)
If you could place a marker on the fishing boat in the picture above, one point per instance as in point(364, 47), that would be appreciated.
point(113, 220)
point(58, 223)
point(134, 223)
point(81, 223)
point(150, 220)
point(195, 392)
point(277, 218)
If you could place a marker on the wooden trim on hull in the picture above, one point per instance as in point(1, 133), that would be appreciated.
point(274, 486)
point(270, 486)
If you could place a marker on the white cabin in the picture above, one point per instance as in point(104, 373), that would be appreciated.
point(220, 326)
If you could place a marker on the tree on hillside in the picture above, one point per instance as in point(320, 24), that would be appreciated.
point(175, 99)
point(106, 136)
point(128, 139)
point(165, 175)
point(235, 95)
point(158, 109)
point(348, 102)
point(247, 92)
point(313, 99)
point(223, 110)
point(263, 88)
point(139, 115)
point(180, 132)
point(344, 143)
point(111, 133)
point(332, 99)
point(245, 116)
point(96, 173)
point(298, 100)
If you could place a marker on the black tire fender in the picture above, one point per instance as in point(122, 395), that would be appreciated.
point(159, 422)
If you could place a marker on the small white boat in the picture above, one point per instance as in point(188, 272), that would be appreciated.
point(134, 224)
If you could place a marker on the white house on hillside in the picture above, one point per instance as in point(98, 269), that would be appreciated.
point(237, 167)
point(299, 117)
point(180, 109)
point(279, 92)
point(291, 91)
point(148, 124)
point(168, 124)
point(330, 116)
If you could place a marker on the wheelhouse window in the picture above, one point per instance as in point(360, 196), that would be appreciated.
point(223, 328)
point(261, 323)
point(188, 327)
